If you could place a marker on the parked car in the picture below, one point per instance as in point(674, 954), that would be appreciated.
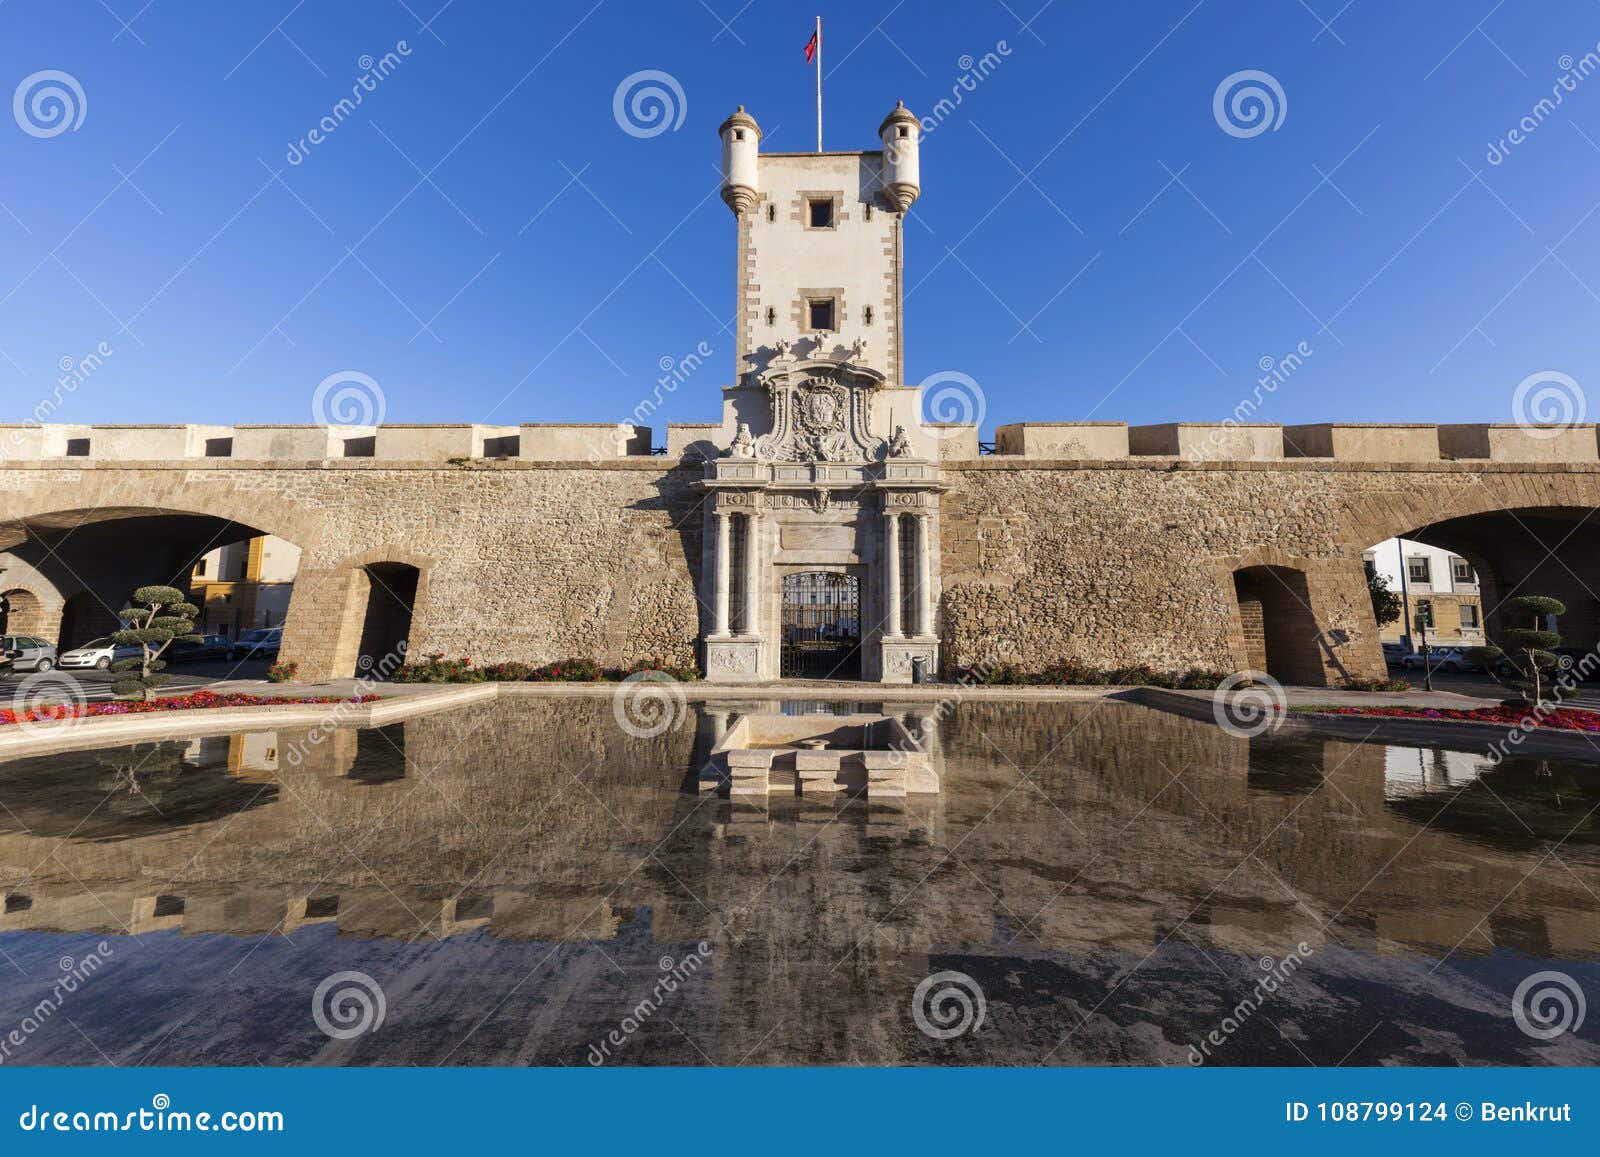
point(26, 653)
point(209, 647)
point(1394, 653)
point(261, 643)
point(97, 653)
point(1452, 659)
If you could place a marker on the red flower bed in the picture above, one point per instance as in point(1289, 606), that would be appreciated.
point(1560, 719)
point(198, 701)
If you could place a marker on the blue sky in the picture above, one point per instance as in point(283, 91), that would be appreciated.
point(1090, 243)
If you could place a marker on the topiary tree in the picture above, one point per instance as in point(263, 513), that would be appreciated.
point(1528, 649)
point(1385, 602)
point(155, 616)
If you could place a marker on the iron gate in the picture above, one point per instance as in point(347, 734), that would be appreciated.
point(821, 626)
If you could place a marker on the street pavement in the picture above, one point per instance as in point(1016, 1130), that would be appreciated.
point(1484, 687)
point(95, 686)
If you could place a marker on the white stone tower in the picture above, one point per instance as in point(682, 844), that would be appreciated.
point(820, 246)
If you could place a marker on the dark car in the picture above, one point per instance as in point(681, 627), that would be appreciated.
point(209, 647)
point(1393, 653)
point(261, 643)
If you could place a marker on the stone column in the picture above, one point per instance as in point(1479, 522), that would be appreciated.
point(891, 618)
point(752, 572)
point(924, 585)
point(720, 626)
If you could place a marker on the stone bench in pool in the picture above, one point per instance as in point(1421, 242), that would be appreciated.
point(770, 754)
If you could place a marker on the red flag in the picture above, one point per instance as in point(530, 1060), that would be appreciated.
point(811, 47)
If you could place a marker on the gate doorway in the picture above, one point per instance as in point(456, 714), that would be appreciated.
point(821, 626)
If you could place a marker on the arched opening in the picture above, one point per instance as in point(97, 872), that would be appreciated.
point(1458, 573)
point(386, 622)
point(23, 613)
point(1280, 630)
point(90, 561)
point(821, 618)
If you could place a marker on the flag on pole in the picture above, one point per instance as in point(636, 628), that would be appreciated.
point(811, 47)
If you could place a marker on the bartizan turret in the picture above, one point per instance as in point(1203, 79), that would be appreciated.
point(741, 139)
point(901, 134)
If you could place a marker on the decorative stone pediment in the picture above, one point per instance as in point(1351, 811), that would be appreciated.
point(821, 412)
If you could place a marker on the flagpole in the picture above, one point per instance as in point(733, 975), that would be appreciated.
point(819, 84)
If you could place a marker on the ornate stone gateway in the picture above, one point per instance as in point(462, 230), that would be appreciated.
point(821, 477)
point(821, 626)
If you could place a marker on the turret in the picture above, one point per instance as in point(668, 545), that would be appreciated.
point(741, 140)
point(902, 176)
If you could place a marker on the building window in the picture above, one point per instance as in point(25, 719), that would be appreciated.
point(819, 314)
point(1461, 571)
point(77, 447)
point(738, 134)
point(1469, 616)
point(903, 132)
point(820, 212)
point(200, 568)
point(866, 316)
point(772, 212)
point(1418, 570)
point(772, 316)
point(867, 213)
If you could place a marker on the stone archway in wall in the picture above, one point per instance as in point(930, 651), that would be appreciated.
point(23, 612)
point(1279, 628)
point(91, 558)
point(369, 609)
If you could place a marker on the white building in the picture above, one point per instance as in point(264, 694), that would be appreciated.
point(1435, 578)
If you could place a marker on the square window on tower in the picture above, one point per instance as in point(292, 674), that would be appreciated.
point(820, 212)
point(820, 314)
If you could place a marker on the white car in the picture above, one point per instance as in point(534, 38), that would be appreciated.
point(1451, 659)
point(96, 653)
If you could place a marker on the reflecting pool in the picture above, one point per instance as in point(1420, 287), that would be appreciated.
point(528, 882)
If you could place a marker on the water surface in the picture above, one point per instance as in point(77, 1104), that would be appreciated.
point(520, 878)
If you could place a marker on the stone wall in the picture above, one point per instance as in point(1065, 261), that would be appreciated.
point(1108, 563)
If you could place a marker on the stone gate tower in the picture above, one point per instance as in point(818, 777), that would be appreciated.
point(822, 535)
